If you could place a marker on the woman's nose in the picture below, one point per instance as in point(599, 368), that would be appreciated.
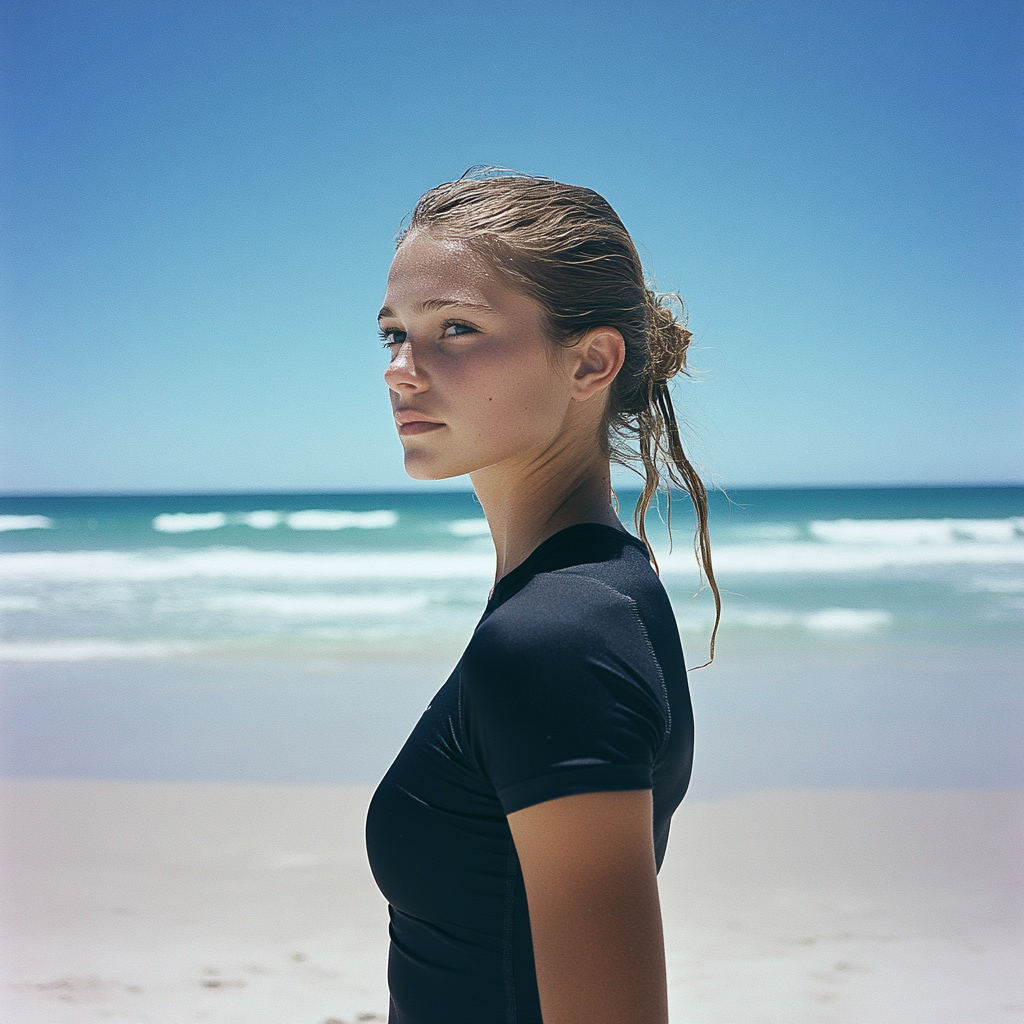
point(402, 373)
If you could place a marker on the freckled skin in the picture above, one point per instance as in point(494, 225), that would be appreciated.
point(499, 387)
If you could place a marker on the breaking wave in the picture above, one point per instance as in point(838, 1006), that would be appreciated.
point(890, 532)
point(469, 527)
point(241, 563)
point(264, 519)
point(90, 650)
point(822, 620)
point(189, 522)
point(246, 563)
point(25, 523)
point(317, 606)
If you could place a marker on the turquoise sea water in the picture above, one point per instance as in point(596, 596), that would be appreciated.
point(359, 574)
point(237, 636)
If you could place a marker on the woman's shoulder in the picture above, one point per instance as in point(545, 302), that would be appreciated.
point(551, 603)
point(568, 651)
point(561, 619)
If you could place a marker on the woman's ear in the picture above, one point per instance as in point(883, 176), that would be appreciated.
point(599, 356)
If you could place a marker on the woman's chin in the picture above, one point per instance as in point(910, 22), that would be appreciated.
point(421, 466)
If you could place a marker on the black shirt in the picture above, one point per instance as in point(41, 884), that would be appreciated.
point(573, 682)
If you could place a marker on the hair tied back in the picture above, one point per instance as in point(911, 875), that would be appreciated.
point(565, 247)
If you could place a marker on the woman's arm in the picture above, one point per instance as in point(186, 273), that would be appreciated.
point(592, 891)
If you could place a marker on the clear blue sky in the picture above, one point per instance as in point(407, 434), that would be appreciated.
point(199, 199)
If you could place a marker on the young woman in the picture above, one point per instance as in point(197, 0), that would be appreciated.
point(518, 834)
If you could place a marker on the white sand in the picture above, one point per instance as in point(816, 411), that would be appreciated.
point(254, 905)
point(851, 907)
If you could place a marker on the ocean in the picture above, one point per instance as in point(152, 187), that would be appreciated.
point(226, 636)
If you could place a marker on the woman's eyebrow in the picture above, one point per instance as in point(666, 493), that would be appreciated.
point(432, 305)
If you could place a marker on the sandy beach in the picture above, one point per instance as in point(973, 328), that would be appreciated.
point(249, 904)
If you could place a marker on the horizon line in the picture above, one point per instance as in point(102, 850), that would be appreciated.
point(239, 492)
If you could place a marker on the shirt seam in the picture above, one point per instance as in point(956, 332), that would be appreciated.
point(550, 775)
point(650, 647)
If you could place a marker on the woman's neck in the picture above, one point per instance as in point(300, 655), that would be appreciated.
point(547, 492)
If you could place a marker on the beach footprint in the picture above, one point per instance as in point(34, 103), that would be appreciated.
point(360, 1018)
point(79, 989)
point(212, 979)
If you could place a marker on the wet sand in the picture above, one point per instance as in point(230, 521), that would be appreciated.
point(253, 904)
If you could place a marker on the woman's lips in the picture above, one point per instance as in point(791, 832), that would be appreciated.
point(417, 427)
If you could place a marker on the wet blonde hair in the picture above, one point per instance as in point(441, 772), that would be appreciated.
point(567, 248)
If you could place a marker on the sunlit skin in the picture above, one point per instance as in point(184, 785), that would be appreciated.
point(478, 366)
point(592, 890)
point(477, 387)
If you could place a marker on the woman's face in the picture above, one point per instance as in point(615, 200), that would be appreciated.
point(474, 381)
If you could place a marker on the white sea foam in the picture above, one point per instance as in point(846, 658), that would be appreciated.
point(919, 531)
point(469, 527)
point(245, 563)
point(241, 563)
point(189, 522)
point(90, 650)
point(266, 519)
point(262, 519)
point(846, 620)
point(318, 606)
point(327, 519)
point(767, 559)
point(25, 523)
point(824, 620)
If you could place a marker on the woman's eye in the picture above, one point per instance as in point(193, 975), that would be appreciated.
point(454, 330)
point(392, 337)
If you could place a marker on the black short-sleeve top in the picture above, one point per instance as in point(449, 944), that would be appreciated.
point(573, 682)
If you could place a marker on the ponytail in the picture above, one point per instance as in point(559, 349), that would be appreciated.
point(642, 424)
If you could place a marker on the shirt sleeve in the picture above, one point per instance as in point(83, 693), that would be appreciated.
point(561, 693)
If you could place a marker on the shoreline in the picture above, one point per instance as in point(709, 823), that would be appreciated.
point(769, 719)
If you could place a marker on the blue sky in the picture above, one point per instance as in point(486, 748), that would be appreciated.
point(199, 200)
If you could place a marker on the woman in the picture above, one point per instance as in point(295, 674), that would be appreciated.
point(519, 832)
